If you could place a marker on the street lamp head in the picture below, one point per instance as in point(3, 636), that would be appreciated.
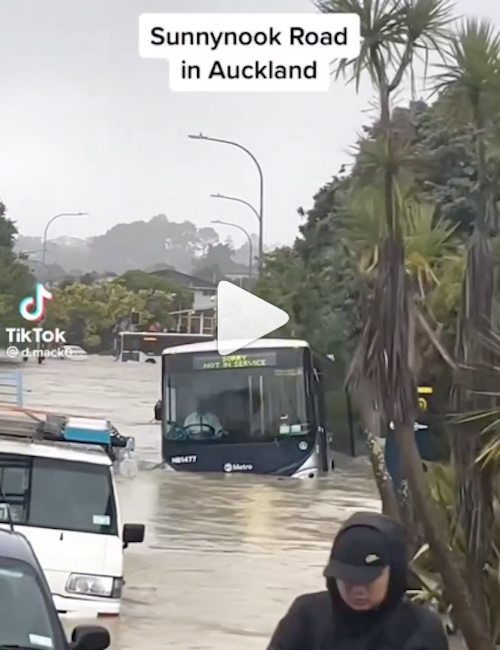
point(216, 196)
point(200, 136)
point(216, 221)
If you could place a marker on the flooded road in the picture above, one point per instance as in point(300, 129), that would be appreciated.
point(223, 556)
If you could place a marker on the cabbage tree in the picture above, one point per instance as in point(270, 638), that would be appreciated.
point(394, 34)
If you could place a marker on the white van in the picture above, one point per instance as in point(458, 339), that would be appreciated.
point(62, 497)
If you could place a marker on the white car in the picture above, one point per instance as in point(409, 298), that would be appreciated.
point(74, 353)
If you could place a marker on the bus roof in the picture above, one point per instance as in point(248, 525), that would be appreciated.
point(211, 346)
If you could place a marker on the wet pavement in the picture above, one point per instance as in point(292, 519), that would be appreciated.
point(225, 555)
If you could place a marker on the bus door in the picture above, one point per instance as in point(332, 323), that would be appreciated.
point(320, 419)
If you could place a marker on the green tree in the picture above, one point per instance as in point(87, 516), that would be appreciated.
point(160, 296)
point(152, 284)
point(469, 82)
point(16, 280)
point(393, 33)
point(91, 314)
point(280, 284)
point(314, 281)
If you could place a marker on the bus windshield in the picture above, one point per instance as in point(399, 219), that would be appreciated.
point(56, 493)
point(241, 398)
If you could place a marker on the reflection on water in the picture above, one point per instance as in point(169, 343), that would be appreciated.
point(223, 555)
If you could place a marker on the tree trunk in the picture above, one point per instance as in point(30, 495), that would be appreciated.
point(382, 479)
point(475, 634)
point(409, 518)
point(371, 419)
point(473, 487)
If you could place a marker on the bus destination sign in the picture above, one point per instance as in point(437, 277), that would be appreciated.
point(217, 362)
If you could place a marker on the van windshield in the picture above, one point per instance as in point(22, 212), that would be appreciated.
point(59, 494)
point(25, 620)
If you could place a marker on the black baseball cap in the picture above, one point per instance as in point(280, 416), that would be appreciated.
point(359, 555)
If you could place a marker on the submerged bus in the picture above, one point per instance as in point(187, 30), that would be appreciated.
point(276, 407)
point(148, 346)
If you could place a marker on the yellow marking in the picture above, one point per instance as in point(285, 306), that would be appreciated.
point(422, 404)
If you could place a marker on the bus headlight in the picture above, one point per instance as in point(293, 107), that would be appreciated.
point(89, 585)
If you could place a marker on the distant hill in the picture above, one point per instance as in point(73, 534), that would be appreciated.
point(74, 242)
point(140, 245)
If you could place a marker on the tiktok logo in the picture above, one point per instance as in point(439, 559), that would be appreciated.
point(33, 308)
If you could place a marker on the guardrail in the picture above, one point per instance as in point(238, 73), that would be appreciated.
point(11, 387)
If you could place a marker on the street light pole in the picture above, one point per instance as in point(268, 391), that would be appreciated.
point(200, 136)
point(250, 244)
point(51, 221)
point(237, 200)
point(47, 270)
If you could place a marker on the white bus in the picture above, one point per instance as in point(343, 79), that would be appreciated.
point(148, 346)
point(275, 407)
point(58, 489)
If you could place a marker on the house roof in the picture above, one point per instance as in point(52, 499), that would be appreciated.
point(185, 280)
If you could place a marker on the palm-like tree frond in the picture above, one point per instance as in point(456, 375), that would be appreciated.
point(381, 29)
point(377, 156)
point(425, 245)
point(428, 243)
point(392, 31)
point(363, 225)
point(428, 22)
point(472, 62)
point(426, 236)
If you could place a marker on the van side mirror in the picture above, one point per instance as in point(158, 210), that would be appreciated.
point(90, 637)
point(133, 534)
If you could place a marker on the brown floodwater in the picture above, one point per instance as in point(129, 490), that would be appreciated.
point(224, 555)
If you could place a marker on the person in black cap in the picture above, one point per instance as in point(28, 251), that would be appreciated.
point(364, 606)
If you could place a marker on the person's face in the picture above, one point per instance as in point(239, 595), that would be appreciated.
point(364, 597)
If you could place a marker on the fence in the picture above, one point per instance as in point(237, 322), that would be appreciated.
point(11, 387)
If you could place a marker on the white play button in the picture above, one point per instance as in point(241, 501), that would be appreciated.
point(242, 318)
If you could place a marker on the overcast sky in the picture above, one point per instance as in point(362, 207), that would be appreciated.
point(86, 125)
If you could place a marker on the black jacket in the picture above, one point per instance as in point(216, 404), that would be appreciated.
point(310, 625)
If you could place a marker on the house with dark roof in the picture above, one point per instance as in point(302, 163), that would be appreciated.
point(185, 280)
point(201, 318)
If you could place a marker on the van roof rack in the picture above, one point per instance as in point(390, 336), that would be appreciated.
point(39, 426)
